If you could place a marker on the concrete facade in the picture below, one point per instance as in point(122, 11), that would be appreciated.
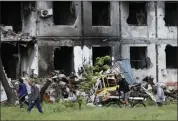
point(82, 36)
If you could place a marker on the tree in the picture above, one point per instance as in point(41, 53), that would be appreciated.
point(91, 72)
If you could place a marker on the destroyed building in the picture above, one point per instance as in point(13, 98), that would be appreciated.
point(68, 32)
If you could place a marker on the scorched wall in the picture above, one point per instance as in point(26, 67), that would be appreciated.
point(76, 28)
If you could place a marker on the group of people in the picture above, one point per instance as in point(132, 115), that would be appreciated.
point(34, 97)
point(124, 87)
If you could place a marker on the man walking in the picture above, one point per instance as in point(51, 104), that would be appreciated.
point(22, 93)
point(35, 97)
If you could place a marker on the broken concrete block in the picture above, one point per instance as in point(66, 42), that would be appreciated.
point(6, 28)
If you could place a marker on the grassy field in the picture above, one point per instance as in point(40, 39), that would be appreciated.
point(59, 112)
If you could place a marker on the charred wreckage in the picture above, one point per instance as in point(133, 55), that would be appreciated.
point(21, 56)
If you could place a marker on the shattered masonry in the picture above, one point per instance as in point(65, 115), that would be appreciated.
point(67, 33)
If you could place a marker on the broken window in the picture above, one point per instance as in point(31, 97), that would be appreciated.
point(11, 15)
point(171, 13)
point(64, 12)
point(137, 14)
point(63, 59)
point(171, 57)
point(101, 13)
point(9, 59)
point(138, 57)
point(100, 52)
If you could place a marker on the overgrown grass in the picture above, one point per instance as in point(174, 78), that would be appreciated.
point(59, 112)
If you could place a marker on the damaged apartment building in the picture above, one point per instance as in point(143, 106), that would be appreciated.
point(63, 35)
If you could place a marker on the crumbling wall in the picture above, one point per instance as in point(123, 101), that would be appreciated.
point(171, 31)
point(29, 60)
point(87, 55)
point(80, 54)
point(151, 53)
point(78, 59)
point(34, 24)
point(166, 75)
point(45, 60)
point(46, 48)
point(146, 36)
point(29, 18)
point(138, 31)
point(47, 28)
point(90, 30)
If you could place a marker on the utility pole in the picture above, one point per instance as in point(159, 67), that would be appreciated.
point(156, 45)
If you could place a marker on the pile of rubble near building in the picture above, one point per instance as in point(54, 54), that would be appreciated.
point(59, 87)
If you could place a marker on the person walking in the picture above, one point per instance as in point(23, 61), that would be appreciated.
point(124, 87)
point(35, 97)
point(160, 98)
point(22, 90)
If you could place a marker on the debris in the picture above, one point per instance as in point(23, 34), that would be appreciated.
point(105, 90)
point(57, 86)
point(7, 34)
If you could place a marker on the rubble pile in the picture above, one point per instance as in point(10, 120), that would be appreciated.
point(7, 33)
point(106, 87)
point(57, 86)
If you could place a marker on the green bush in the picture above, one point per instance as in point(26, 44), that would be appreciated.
point(101, 64)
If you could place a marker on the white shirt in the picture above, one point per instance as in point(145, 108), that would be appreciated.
point(27, 85)
point(3, 94)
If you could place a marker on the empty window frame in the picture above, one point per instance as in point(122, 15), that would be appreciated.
point(171, 13)
point(101, 52)
point(11, 15)
point(171, 57)
point(63, 59)
point(137, 14)
point(138, 57)
point(64, 12)
point(101, 13)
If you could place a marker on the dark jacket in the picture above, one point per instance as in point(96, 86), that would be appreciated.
point(22, 89)
point(35, 93)
point(123, 86)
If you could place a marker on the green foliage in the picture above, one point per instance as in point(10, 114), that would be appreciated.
point(69, 103)
point(101, 64)
point(105, 67)
point(149, 102)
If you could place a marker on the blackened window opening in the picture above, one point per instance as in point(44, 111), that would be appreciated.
point(171, 14)
point(64, 12)
point(101, 52)
point(137, 14)
point(9, 59)
point(11, 15)
point(138, 57)
point(101, 13)
point(171, 57)
point(63, 59)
